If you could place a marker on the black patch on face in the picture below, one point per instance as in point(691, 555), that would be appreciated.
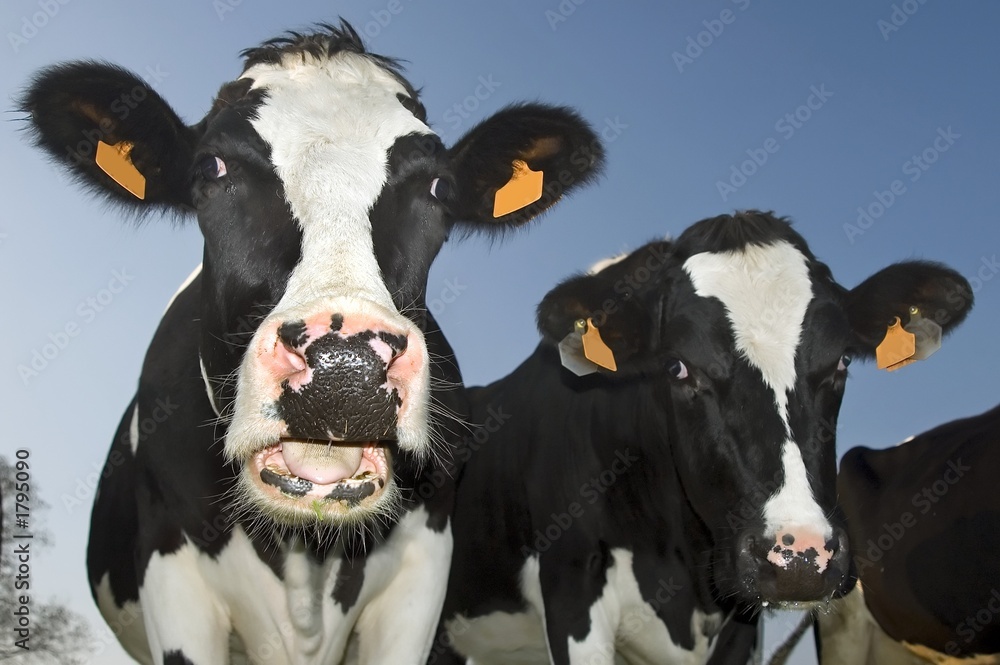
point(252, 242)
point(293, 333)
point(336, 322)
point(346, 398)
point(409, 225)
point(413, 106)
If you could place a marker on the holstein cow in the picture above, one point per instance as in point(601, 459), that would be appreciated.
point(272, 510)
point(925, 520)
point(647, 514)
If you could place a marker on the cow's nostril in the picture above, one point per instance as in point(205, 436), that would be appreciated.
point(395, 342)
point(289, 358)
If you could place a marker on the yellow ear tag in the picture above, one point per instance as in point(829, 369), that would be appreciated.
point(897, 349)
point(115, 161)
point(523, 189)
point(595, 350)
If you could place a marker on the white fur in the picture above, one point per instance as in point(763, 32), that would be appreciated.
point(330, 124)
point(624, 627)
point(195, 600)
point(124, 622)
point(606, 263)
point(405, 584)
point(133, 430)
point(850, 634)
point(766, 290)
point(181, 610)
point(794, 505)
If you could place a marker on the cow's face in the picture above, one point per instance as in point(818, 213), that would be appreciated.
point(323, 197)
point(747, 340)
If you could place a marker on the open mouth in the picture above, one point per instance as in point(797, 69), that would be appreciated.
point(322, 476)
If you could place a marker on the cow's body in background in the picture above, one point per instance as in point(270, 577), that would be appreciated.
point(648, 513)
point(925, 520)
point(298, 385)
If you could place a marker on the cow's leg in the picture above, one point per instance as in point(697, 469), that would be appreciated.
point(580, 609)
point(185, 622)
point(397, 626)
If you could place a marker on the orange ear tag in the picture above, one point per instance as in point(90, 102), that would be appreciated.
point(523, 189)
point(897, 349)
point(115, 161)
point(595, 350)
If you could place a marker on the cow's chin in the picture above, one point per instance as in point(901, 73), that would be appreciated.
point(355, 487)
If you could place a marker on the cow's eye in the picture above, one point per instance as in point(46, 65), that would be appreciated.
point(440, 189)
point(845, 362)
point(677, 369)
point(212, 167)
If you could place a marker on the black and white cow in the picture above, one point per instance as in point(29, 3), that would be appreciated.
point(924, 518)
point(297, 373)
point(646, 515)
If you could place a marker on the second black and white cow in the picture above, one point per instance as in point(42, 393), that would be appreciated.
point(646, 514)
point(925, 520)
point(296, 379)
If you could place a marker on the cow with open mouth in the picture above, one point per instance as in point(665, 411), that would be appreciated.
point(271, 512)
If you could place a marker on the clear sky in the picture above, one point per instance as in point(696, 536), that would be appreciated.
point(685, 94)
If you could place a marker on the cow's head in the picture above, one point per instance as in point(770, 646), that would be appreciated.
point(746, 339)
point(323, 197)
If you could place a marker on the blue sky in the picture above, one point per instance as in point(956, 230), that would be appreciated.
point(810, 109)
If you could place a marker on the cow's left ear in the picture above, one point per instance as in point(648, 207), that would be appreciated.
point(514, 165)
point(935, 291)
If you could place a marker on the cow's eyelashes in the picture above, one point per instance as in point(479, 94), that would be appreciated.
point(440, 189)
point(211, 167)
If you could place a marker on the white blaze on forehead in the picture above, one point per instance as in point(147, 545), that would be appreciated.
point(766, 291)
point(330, 124)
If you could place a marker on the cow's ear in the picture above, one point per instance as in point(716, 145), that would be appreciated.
point(113, 132)
point(618, 298)
point(514, 165)
point(933, 290)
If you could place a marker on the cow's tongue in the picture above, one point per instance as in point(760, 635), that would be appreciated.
point(320, 463)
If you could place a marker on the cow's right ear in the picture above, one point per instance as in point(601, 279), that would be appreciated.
point(612, 300)
point(80, 108)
